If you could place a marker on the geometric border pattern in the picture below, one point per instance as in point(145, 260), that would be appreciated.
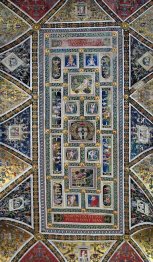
point(34, 32)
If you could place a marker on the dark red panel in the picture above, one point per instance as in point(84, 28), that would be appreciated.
point(124, 8)
point(125, 254)
point(35, 8)
point(39, 253)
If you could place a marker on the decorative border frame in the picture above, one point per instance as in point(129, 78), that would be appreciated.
point(41, 128)
point(34, 32)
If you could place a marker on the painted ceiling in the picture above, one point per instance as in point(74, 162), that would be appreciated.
point(76, 131)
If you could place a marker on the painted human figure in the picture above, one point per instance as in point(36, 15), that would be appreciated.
point(84, 85)
point(57, 194)
point(94, 201)
point(70, 108)
point(92, 154)
point(72, 201)
point(71, 154)
point(56, 67)
point(71, 62)
point(84, 256)
point(92, 108)
point(91, 61)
